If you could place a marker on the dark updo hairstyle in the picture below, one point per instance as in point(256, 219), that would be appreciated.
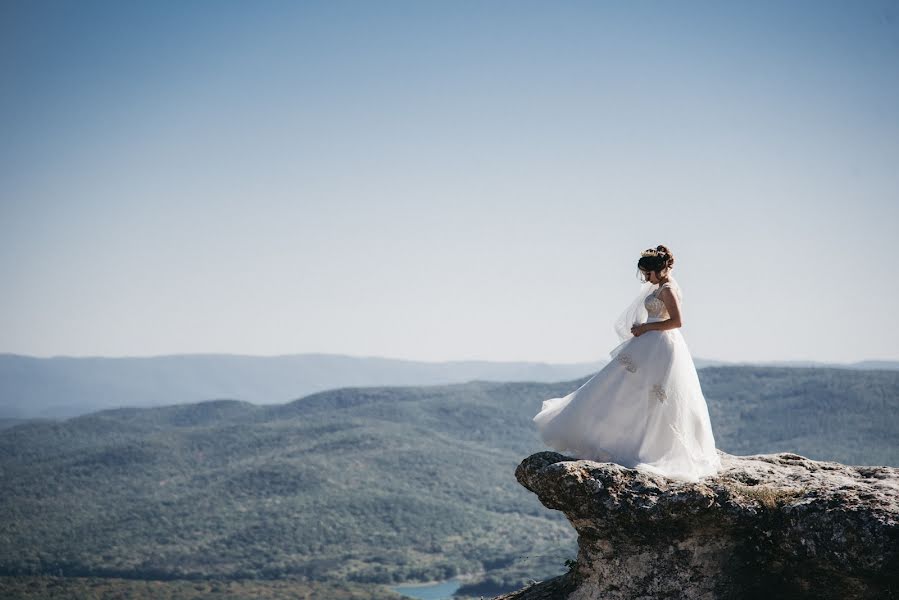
point(655, 259)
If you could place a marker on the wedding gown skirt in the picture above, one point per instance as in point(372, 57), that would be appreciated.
point(643, 410)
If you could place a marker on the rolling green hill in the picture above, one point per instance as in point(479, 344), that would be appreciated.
point(362, 484)
point(826, 414)
point(365, 485)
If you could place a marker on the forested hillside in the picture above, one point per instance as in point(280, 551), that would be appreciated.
point(366, 485)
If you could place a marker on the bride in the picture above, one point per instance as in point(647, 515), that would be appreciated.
point(645, 409)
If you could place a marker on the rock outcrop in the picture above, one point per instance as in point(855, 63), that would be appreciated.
point(767, 526)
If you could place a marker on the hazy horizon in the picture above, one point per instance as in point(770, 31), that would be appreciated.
point(446, 182)
point(698, 359)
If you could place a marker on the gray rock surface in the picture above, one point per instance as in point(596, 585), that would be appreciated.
point(767, 526)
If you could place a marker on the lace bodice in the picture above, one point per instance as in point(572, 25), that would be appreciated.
point(654, 305)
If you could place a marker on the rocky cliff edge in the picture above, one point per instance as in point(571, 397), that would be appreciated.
point(766, 526)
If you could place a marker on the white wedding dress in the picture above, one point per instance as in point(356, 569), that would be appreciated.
point(643, 410)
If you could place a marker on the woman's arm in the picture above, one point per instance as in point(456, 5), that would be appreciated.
point(671, 302)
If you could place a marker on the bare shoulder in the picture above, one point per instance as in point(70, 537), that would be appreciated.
point(668, 293)
point(671, 300)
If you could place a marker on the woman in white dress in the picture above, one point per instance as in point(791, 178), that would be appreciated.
point(645, 409)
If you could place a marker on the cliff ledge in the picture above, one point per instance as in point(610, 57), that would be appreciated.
point(768, 525)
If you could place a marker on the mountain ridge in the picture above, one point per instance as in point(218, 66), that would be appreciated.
point(58, 387)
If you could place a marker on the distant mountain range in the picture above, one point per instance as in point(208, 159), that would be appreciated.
point(61, 387)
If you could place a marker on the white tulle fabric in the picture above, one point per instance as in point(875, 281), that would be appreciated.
point(645, 409)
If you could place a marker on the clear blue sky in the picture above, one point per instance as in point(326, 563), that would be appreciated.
point(446, 180)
